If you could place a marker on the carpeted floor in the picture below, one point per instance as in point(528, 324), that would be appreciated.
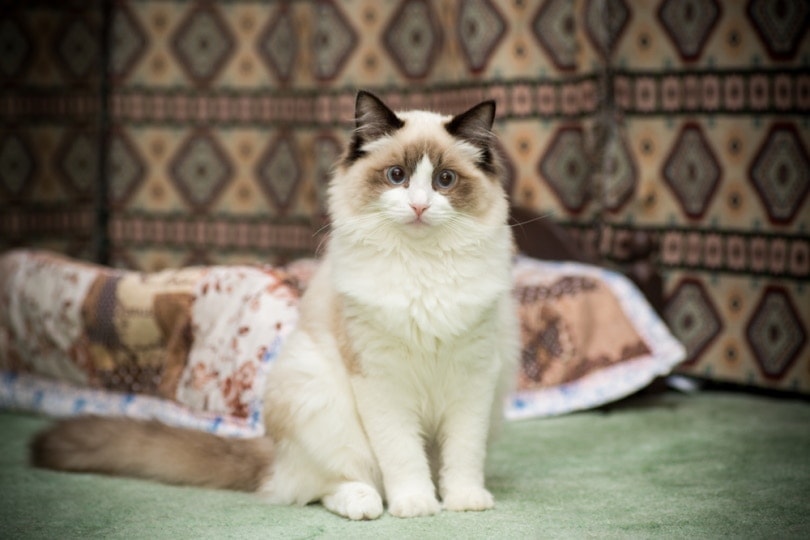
point(708, 465)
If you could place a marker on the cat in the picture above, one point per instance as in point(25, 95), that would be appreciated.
point(387, 390)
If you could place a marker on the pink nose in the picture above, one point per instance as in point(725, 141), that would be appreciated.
point(419, 209)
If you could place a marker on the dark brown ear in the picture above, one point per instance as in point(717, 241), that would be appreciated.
point(475, 126)
point(372, 120)
point(477, 120)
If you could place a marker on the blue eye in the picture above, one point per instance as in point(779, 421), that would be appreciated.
point(396, 175)
point(445, 179)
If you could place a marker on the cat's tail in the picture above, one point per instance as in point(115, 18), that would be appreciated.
point(149, 449)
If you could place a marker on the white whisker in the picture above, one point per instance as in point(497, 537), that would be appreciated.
point(321, 229)
point(536, 218)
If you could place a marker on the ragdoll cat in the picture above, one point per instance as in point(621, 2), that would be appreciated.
point(407, 338)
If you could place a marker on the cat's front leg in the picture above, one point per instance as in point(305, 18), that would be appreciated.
point(394, 433)
point(464, 434)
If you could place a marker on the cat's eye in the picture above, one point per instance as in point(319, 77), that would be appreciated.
point(445, 179)
point(396, 175)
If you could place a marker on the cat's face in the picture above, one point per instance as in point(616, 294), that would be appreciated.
point(418, 171)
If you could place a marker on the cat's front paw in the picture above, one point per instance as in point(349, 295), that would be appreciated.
point(414, 505)
point(355, 500)
point(474, 499)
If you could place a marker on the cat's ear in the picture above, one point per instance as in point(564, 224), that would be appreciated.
point(372, 117)
point(475, 126)
point(372, 120)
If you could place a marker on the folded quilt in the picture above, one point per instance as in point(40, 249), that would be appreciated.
point(192, 346)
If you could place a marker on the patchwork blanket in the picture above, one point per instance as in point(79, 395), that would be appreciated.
point(192, 346)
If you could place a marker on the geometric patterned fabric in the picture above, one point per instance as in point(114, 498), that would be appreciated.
point(714, 98)
point(151, 134)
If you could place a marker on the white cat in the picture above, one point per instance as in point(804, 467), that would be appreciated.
point(388, 388)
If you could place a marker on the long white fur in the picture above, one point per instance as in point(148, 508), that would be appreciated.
point(428, 310)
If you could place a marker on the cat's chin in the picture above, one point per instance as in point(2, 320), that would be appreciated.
point(419, 227)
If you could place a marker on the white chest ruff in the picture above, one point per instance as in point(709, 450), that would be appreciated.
point(441, 299)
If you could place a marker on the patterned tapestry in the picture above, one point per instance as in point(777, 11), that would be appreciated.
point(711, 102)
point(227, 116)
point(50, 125)
point(679, 127)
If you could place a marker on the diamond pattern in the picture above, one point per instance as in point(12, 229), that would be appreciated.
point(126, 169)
point(480, 28)
point(780, 24)
point(78, 161)
point(781, 173)
point(605, 22)
point(16, 164)
point(566, 168)
point(327, 151)
point(128, 41)
point(15, 47)
point(278, 171)
point(775, 333)
point(203, 44)
point(278, 44)
point(412, 38)
point(333, 40)
point(689, 24)
point(554, 27)
point(692, 317)
point(76, 48)
point(200, 170)
point(508, 175)
point(620, 174)
point(692, 171)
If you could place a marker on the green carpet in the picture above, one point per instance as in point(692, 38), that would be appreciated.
point(708, 465)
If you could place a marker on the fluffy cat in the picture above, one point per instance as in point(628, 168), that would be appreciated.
point(388, 388)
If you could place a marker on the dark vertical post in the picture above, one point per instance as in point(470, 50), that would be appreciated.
point(101, 236)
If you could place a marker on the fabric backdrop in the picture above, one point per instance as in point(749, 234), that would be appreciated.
point(151, 134)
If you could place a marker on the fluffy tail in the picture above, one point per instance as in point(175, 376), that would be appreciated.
point(149, 449)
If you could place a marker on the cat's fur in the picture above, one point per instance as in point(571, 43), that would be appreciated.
point(407, 338)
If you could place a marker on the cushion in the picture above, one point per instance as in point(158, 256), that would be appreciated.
point(588, 338)
point(191, 347)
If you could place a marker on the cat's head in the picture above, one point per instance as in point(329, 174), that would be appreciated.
point(418, 172)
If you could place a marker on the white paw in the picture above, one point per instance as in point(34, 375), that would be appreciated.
point(414, 505)
point(475, 499)
point(355, 500)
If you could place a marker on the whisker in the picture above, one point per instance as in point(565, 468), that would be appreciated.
point(537, 218)
point(318, 249)
point(354, 222)
point(320, 230)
